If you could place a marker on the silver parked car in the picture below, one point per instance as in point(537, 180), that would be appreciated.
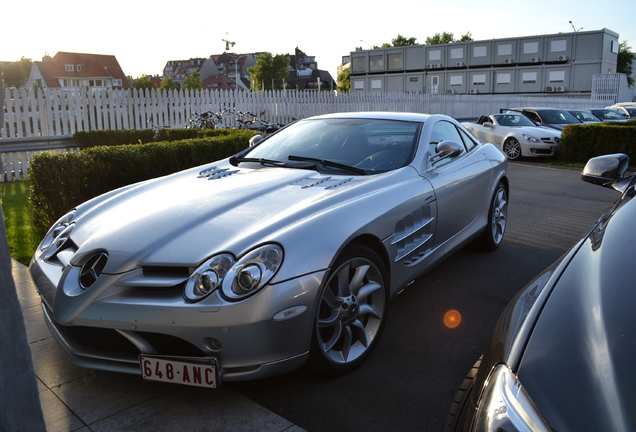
point(516, 135)
point(285, 253)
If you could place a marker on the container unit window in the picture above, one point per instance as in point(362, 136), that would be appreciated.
point(376, 63)
point(505, 54)
point(395, 61)
point(358, 64)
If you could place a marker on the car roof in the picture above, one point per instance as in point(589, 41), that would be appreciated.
point(380, 115)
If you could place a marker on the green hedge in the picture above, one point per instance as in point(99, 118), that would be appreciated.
point(579, 143)
point(98, 138)
point(59, 182)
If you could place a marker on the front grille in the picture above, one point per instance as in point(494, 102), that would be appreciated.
point(111, 341)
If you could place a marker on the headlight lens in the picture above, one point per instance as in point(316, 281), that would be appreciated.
point(236, 279)
point(56, 236)
point(208, 277)
point(505, 406)
point(253, 271)
point(531, 139)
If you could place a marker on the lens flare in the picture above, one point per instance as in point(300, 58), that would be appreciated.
point(452, 319)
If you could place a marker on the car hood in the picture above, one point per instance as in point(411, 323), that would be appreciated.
point(578, 365)
point(535, 131)
point(183, 218)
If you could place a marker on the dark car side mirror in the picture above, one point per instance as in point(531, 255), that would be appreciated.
point(608, 171)
point(445, 150)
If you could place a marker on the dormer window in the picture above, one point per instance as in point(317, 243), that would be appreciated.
point(69, 68)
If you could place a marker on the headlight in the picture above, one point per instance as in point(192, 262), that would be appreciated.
point(253, 271)
point(531, 139)
point(505, 406)
point(208, 277)
point(236, 279)
point(57, 235)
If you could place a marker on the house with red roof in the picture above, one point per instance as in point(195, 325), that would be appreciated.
point(78, 70)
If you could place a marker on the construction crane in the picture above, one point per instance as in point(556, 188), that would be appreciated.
point(227, 44)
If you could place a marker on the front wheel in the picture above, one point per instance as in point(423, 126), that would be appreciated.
point(512, 149)
point(493, 234)
point(352, 311)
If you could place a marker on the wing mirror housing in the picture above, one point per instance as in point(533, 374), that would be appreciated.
point(608, 171)
point(255, 140)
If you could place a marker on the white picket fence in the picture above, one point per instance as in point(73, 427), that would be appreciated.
point(56, 112)
point(33, 119)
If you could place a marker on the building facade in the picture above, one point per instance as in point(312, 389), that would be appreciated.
point(78, 71)
point(562, 63)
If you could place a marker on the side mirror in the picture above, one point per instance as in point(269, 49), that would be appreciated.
point(488, 124)
point(445, 150)
point(255, 140)
point(607, 171)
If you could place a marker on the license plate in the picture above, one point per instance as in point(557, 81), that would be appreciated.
point(196, 372)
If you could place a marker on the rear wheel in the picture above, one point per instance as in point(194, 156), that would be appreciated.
point(512, 149)
point(494, 232)
point(352, 312)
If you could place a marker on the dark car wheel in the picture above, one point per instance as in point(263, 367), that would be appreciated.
point(352, 311)
point(493, 235)
point(512, 149)
point(459, 409)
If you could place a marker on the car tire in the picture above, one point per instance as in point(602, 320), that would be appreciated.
point(493, 234)
point(512, 149)
point(351, 313)
point(458, 410)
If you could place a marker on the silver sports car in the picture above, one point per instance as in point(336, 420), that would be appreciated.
point(284, 254)
point(516, 135)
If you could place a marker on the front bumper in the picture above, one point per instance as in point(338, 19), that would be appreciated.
point(249, 339)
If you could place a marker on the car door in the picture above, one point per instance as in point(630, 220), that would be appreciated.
point(461, 184)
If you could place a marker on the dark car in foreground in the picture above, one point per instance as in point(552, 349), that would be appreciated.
point(561, 357)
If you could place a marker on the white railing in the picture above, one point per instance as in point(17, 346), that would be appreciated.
point(16, 154)
point(58, 112)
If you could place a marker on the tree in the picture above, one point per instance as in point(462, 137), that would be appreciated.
point(168, 83)
point(144, 83)
point(442, 38)
point(402, 41)
point(16, 74)
point(624, 62)
point(344, 81)
point(192, 81)
point(269, 72)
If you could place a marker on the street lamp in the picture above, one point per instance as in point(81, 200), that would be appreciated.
point(235, 58)
point(574, 28)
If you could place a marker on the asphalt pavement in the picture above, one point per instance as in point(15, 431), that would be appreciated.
point(79, 399)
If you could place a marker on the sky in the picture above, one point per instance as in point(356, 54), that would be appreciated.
point(144, 36)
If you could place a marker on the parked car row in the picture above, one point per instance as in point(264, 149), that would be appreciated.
point(536, 132)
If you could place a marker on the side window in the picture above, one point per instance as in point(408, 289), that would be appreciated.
point(444, 131)
point(469, 142)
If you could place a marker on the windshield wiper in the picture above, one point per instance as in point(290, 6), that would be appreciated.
point(328, 163)
point(237, 160)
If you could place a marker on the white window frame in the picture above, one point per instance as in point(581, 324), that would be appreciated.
point(480, 51)
point(457, 53)
point(529, 77)
point(559, 45)
point(479, 79)
point(455, 80)
point(504, 78)
point(556, 76)
point(434, 55)
point(504, 49)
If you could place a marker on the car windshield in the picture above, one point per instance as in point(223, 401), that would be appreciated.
point(557, 117)
point(513, 120)
point(607, 115)
point(373, 145)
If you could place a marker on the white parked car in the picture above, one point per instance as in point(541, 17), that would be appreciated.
point(516, 135)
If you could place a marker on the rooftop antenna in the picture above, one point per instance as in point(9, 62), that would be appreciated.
point(574, 28)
